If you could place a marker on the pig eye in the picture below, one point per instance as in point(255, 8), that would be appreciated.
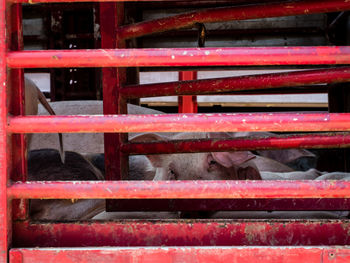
point(172, 175)
point(211, 161)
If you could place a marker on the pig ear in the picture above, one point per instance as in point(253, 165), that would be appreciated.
point(229, 159)
point(156, 160)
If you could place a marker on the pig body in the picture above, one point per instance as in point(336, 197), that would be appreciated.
point(46, 165)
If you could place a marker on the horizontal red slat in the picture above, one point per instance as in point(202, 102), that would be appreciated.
point(232, 13)
point(184, 254)
point(183, 233)
point(309, 141)
point(229, 122)
point(225, 85)
point(310, 204)
point(235, 56)
point(179, 189)
point(77, 1)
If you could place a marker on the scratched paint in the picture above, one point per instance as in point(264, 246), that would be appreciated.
point(188, 20)
point(183, 233)
point(242, 83)
point(236, 56)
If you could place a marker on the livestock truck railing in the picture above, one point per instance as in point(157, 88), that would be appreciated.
point(17, 231)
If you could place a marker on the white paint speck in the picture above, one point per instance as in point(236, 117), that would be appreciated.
point(172, 57)
point(295, 119)
point(185, 53)
point(207, 52)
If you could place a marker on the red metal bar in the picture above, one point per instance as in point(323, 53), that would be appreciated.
point(229, 122)
point(187, 254)
point(236, 56)
point(19, 141)
point(5, 208)
point(116, 162)
point(232, 13)
point(187, 104)
point(75, 1)
point(225, 85)
point(179, 189)
point(183, 233)
point(329, 204)
point(306, 141)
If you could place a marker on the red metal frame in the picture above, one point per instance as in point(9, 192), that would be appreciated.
point(188, 254)
point(19, 141)
point(179, 189)
point(228, 122)
point(5, 215)
point(187, 104)
point(306, 141)
point(247, 56)
point(184, 233)
point(158, 233)
point(232, 13)
point(116, 162)
point(241, 83)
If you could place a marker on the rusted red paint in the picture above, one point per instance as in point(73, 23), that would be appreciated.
point(187, 104)
point(242, 83)
point(228, 122)
point(231, 204)
point(183, 233)
point(116, 162)
point(307, 141)
point(74, 1)
point(5, 214)
point(179, 189)
point(19, 142)
point(235, 56)
point(187, 254)
point(232, 13)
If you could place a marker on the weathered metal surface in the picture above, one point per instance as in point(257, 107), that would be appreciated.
point(232, 13)
point(77, 1)
point(5, 214)
point(186, 104)
point(183, 233)
point(116, 162)
point(19, 142)
point(231, 204)
point(247, 56)
point(306, 141)
point(228, 122)
point(242, 83)
point(179, 254)
point(179, 189)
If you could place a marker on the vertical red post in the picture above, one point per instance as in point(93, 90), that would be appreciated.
point(187, 104)
point(111, 17)
point(5, 214)
point(16, 107)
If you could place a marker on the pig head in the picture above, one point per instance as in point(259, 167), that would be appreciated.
point(200, 166)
